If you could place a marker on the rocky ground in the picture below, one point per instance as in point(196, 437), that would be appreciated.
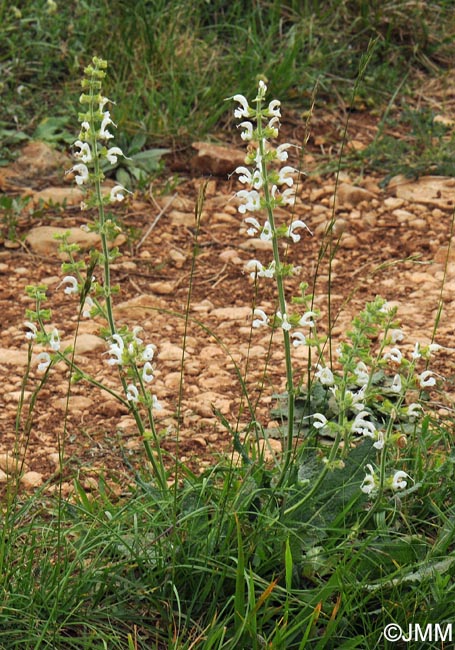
point(393, 242)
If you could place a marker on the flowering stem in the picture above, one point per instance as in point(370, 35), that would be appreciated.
point(282, 304)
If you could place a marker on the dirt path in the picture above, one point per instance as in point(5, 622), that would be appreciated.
point(393, 244)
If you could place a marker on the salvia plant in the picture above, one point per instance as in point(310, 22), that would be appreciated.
point(368, 395)
point(127, 351)
point(254, 544)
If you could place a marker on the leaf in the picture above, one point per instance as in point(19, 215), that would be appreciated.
point(51, 130)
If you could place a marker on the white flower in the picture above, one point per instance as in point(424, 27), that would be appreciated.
point(45, 361)
point(321, 420)
point(361, 371)
point(398, 482)
point(72, 284)
point(82, 173)
point(295, 225)
point(324, 375)
point(117, 193)
point(88, 306)
point(155, 403)
point(272, 128)
point(33, 331)
point(380, 442)
point(396, 384)
point(252, 201)
point(288, 198)
point(116, 351)
point(414, 410)
point(112, 154)
point(136, 331)
point(247, 134)
point(426, 379)
point(357, 398)
point(369, 482)
point(133, 394)
point(416, 353)
point(360, 425)
point(149, 352)
point(281, 152)
point(307, 319)
point(245, 110)
point(396, 335)
point(267, 233)
point(104, 134)
point(103, 102)
point(262, 89)
point(256, 226)
point(283, 179)
point(85, 153)
point(285, 324)
point(299, 339)
point(85, 125)
point(54, 340)
point(259, 271)
point(262, 319)
point(394, 355)
point(246, 176)
point(273, 109)
point(147, 372)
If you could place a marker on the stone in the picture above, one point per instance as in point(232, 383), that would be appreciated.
point(436, 191)
point(351, 195)
point(77, 403)
point(162, 288)
point(86, 343)
point(216, 160)
point(31, 480)
point(231, 313)
point(256, 244)
point(139, 308)
point(42, 239)
point(13, 357)
point(71, 195)
point(37, 163)
point(11, 465)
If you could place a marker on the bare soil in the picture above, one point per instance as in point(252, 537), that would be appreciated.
point(389, 245)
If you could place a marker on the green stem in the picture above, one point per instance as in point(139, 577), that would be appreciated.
point(281, 302)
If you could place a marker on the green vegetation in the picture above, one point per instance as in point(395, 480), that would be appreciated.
point(322, 548)
point(173, 63)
